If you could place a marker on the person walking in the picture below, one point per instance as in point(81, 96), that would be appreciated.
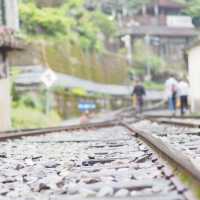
point(171, 88)
point(139, 92)
point(183, 91)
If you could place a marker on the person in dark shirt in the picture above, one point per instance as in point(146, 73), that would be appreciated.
point(139, 92)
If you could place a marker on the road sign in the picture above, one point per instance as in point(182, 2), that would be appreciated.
point(83, 106)
point(48, 78)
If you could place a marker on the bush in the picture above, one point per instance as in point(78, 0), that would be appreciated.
point(47, 21)
point(144, 56)
point(150, 85)
point(27, 117)
point(28, 112)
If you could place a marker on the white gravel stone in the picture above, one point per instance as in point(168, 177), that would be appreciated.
point(122, 193)
point(87, 192)
point(105, 191)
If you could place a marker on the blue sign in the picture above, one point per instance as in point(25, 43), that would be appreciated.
point(86, 106)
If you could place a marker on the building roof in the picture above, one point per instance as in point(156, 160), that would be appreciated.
point(8, 40)
point(159, 31)
point(170, 4)
point(33, 77)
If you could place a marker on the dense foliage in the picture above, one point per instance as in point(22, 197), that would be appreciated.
point(77, 35)
point(34, 107)
point(193, 9)
point(146, 59)
point(75, 39)
point(70, 20)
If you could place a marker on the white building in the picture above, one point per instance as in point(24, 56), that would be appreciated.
point(9, 22)
point(194, 75)
point(9, 15)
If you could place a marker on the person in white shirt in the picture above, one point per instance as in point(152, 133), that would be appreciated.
point(183, 91)
point(171, 88)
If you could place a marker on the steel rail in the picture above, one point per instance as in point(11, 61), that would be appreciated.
point(178, 123)
point(171, 116)
point(9, 135)
point(155, 142)
point(171, 121)
point(172, 154)
point(175, 155)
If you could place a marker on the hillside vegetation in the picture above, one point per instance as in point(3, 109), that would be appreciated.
point(73, 40)
point(74, 37)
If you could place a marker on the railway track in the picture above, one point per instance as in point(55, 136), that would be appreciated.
point(178, 137)
point(104, 160)
point(188, 121)
point(182, 140)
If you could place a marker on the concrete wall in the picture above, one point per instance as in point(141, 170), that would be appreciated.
point(12, 21)
point(5, 104)
point(194, 77)
point(12, 14)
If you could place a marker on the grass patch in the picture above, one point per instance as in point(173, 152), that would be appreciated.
point(150, 85)
point(195, 114)
point(189, 182)
point(26, 117)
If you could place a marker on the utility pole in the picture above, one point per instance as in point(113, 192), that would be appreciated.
point(128, 44)
point(148, 67)
point(157, 12)
point(48, 78)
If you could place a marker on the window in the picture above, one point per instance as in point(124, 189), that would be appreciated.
point(2, 13)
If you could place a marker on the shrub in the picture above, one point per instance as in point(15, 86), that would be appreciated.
point(26, 117)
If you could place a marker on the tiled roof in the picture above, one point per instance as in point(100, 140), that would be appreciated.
point(170, 4)
point(159, 31)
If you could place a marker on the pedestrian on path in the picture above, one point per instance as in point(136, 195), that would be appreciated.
point(171, 89)
point(139, 92)
point(183, 91)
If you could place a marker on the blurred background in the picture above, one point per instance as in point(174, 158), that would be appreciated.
point(60, 58)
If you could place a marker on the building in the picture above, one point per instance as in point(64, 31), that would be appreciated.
point(163, 27)
point(193, 54)
point(9, 23)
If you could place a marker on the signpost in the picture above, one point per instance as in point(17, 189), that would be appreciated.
point(48, 78)
point(127, 41)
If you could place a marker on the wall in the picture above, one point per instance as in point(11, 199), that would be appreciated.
point(12, 15)
point(12, 21)
point(5, 123)
point(194, 77)
point(103, 68)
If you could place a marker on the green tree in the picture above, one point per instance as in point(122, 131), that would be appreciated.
point(193, 9)
point(47, 21)
point(70, 21)
point(107, 26)
point(145, 57)
point(134, 4)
